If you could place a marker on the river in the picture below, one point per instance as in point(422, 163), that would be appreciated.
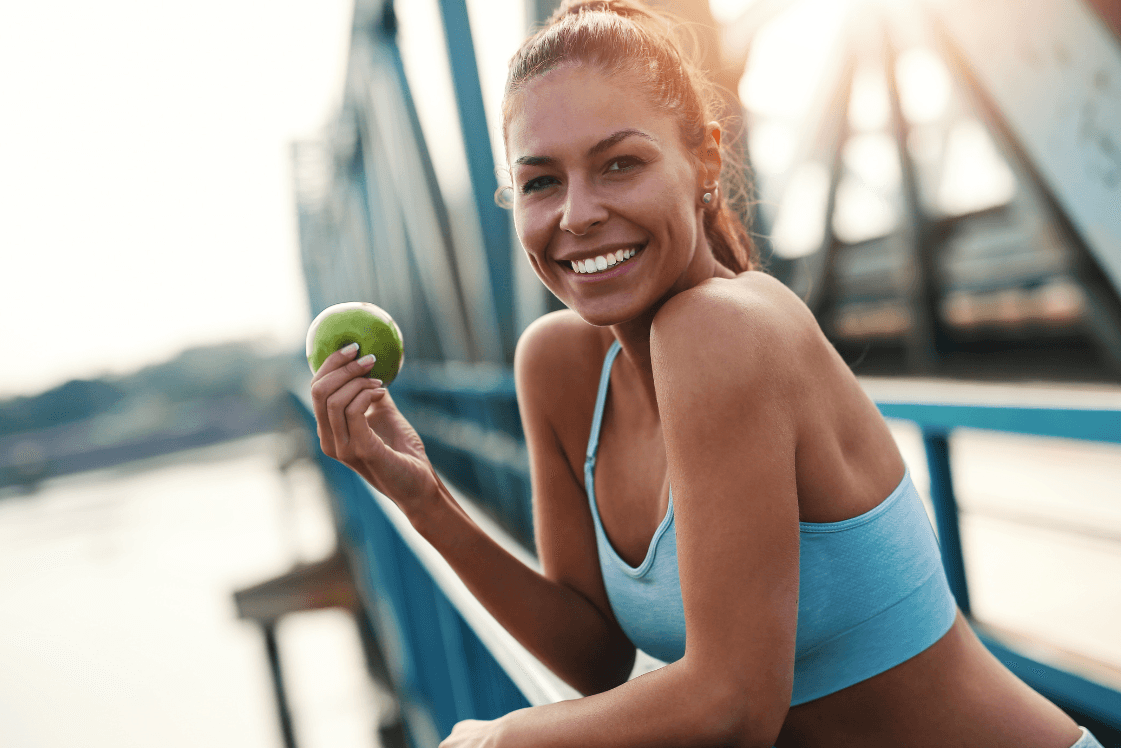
point(117, 624)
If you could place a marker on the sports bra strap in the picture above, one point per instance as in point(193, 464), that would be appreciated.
point(601, 398)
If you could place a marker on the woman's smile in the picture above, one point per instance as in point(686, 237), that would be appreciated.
point(605, 265)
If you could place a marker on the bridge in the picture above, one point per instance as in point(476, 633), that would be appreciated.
point(942, 187)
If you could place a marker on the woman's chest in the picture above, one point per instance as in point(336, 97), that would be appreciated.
point(631, 481)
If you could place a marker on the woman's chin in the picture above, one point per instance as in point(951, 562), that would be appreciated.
point(606, 315)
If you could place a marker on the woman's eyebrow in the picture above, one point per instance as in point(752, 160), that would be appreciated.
point(611, 140)
point(533, 161)
point(595, 150)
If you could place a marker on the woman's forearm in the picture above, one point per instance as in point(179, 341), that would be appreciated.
point(554, 622)
point(668, 707)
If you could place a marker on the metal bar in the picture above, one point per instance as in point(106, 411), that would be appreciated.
point(494, 221)
point(819, 296)
point(1068, 423)
point(946, 514)
point(819, 144)
point(400, 160)
point(922, 351)
point(283, 712)
point(458, 673)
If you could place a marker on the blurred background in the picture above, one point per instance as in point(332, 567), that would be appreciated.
point(183, 188)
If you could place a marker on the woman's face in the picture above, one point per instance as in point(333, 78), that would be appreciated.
point(598, 171)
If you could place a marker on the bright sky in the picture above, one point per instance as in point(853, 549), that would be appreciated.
point(145, 189)
point(145, 193)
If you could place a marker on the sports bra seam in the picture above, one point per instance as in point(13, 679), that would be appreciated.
point(635, 572)
point(640, 571)
point(862, 519)
point(852, 628)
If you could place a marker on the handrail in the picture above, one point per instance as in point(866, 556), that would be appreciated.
point(1085, 413)
point(535, 680)
point(1088, 413)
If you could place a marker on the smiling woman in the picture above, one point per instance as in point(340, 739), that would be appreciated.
point(710, 483)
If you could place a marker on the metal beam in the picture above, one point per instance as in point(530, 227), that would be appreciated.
point(1053, 69)
point(494, 221)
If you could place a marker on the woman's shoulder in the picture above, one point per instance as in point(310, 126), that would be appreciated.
point(558, 353)
point(752, 313)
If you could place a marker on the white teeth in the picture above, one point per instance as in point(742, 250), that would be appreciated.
point(603, 261)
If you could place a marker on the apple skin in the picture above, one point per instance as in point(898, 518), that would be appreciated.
point(357, 322)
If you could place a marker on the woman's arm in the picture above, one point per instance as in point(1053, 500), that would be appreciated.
point(551, 614)
point(723, 375)
point(553, 621)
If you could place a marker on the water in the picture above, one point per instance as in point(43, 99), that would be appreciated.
point(117, 624)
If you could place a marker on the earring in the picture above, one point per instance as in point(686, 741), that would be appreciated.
point(707, 198)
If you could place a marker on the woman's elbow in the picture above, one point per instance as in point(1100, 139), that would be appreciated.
point(745, 722)
point(613, 669)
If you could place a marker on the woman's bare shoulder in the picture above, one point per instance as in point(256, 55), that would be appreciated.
point(753, 313)
point(558, 357)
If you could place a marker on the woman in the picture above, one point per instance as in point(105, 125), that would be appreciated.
point(791, 577)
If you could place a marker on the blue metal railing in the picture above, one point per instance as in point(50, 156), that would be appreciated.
point(433, 630)
point(1088, 700)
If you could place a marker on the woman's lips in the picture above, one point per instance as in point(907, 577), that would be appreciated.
point(611, 270)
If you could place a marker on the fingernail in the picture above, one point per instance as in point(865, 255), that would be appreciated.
point(350, 350)
point(367, 360)
point(377, 383)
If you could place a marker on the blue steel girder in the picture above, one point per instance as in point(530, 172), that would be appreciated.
point(399, 159)
point(494, 221)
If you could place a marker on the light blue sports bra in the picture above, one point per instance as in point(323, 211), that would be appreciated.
point(872, 592)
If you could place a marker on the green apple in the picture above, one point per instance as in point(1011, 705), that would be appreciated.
point(359, 322)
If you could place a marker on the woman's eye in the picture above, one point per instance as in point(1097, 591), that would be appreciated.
point(623, 164)
point(534, 185)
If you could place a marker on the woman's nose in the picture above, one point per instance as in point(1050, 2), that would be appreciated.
point(582, 211)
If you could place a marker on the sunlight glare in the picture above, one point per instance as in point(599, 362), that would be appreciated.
point(975, 175)
point(869, 106)
point(726, 11)
point(788, 58)
point(861, 213)
point(924, 85)
point(874, 159)
point(772, 145)
point(800, 225)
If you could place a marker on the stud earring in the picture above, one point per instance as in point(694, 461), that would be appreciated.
point(707, 198)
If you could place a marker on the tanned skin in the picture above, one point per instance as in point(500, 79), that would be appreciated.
point(727, 390)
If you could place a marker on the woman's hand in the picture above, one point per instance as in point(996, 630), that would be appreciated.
point(473, 733)
point(360, 426)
